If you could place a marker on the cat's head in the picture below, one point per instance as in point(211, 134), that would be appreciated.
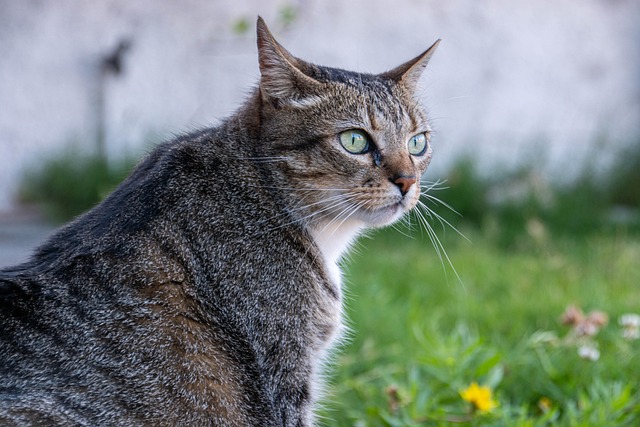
point(345, 146)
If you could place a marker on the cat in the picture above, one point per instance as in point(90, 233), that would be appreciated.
point(205, 290)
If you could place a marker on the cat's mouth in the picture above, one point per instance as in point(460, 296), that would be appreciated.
point(387, 214)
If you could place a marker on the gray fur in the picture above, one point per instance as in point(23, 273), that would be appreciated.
point(204, 290)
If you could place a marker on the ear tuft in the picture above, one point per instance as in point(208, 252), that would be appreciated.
point(282, 75)
point(409, 73)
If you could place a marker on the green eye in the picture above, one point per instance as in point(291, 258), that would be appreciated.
point(418, 144)
point(355, 141)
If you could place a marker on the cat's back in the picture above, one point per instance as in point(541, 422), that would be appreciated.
point(111, 319)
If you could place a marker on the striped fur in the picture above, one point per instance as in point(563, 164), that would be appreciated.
point(205, 289)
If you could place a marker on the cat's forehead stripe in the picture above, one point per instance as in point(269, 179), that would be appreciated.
point(374, 123)
point(412, 119)
point(391, 109)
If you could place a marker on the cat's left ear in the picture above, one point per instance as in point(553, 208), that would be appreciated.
point(408, 74)
point(283, 76)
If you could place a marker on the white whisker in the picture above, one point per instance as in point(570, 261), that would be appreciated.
point(436, 242)
point(302, 189)
point(409, 226)
point(266, 159)
point(351, 208)
point(334, 202)
point(440, 202)
point(442, 220)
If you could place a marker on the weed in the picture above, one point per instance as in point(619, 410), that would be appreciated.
point(72, 182)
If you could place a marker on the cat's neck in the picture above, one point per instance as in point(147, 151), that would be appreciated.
point(333, 240)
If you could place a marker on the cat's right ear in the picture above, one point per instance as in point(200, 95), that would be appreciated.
point(409, 73)
point(282, 74)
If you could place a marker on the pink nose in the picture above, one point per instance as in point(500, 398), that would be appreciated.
point(404, 183)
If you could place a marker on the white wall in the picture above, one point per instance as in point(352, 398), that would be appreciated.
point(511, 78)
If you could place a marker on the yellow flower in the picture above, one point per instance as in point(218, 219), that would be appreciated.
point(545, 404)
point(480, 397)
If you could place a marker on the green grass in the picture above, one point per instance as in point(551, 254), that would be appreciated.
point(420, 336)
point(72, 182)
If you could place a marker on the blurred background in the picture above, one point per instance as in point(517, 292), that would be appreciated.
point(536, 111)
point(555, 83)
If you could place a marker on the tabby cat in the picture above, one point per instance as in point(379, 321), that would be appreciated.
point(205, 290)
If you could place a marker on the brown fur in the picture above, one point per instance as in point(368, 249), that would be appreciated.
point(205, 289)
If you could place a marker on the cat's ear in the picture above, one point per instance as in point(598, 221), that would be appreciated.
point(408, 74)
point(282, 75)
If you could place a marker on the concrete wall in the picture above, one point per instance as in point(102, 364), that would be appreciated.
point(511, 78)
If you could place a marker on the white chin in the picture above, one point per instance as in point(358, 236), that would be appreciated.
point(383, 216)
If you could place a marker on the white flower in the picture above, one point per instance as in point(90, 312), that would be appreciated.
point(631, 326)
point(630, 320)
point(631, 333)
point(589, 352)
